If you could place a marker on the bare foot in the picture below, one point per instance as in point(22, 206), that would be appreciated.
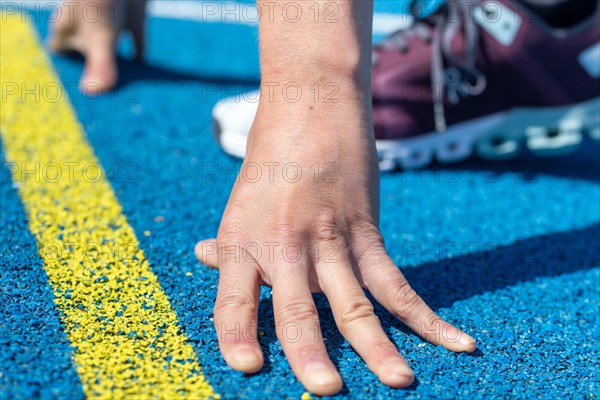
point(91, 28)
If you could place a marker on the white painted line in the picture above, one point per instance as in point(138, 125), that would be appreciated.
point(211, 11)
point(227, 12)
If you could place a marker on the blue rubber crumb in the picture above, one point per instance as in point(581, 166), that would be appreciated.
point(504, 251)
point(35, 354)
point(508, 251)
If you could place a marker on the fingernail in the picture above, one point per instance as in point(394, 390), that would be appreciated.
point(468, 342)
point(456, 340)
point(397, 374)
point(397, 367)
point(244, 356)
point(321, 375)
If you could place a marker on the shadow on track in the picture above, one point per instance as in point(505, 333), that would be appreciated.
point(130, 72)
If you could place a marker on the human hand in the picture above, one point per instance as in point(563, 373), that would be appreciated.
point(303, 217)
point(91, 28)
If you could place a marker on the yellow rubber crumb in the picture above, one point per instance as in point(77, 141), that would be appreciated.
point(124, 332)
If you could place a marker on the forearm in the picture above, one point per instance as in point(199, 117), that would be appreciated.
point(323, 47)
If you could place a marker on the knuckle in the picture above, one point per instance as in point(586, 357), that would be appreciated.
point(433, 325)
point(284, 229)
point(234, 301)
point(369, 249)
point(383, 346)
point(312, 352)
point(232, 243)
point(404, 297)
point(371, 252)
point(356, 310)
point(327, 227)
point(297, 310)
point(231, 234)
point(369, 231)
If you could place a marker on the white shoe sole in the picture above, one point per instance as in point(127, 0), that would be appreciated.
point(546, 131)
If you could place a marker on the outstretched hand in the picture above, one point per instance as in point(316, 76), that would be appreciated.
point(303, 218)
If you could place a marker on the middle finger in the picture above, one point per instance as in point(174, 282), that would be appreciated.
point(356, 320)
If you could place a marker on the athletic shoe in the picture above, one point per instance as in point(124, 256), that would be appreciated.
point(489, 77)
point(486, 75)
point(232, 119)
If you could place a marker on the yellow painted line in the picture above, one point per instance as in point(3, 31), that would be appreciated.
point(124, 331)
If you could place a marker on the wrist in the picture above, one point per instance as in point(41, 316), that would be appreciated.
point(323, 108)
point(326, 98)
point(312, 127)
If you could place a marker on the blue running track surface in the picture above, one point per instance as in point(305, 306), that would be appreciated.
point(508, 251)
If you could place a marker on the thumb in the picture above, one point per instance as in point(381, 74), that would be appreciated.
point(206, 252)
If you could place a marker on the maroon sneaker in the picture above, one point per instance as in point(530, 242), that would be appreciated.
point(485, 75)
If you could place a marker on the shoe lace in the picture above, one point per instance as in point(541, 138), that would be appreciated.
point(464, 78)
